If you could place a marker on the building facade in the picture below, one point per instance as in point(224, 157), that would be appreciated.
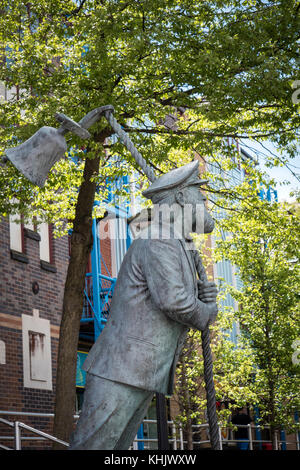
point(33, 270)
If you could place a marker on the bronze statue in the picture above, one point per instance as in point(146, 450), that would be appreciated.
point(156, 300)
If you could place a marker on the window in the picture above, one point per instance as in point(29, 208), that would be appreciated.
point(2, 352)
point(45, 242)
point(37, 365)
point(46, 247)
point(37, 356)
point(16, 233)
point(118, 242)
point(16, 239)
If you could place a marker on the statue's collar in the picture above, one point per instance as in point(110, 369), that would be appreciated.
point(168, 231)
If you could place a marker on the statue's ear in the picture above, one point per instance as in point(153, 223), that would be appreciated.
point(179, 198)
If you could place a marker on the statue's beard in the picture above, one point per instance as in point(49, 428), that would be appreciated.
point(209, 224)
point(187, 221)
point(205, 226)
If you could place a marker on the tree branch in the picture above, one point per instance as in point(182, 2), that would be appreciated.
point(156, 130)
point(77, 10)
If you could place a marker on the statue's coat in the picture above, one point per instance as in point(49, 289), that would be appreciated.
point(155, 302)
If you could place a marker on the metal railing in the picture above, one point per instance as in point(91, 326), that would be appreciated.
point(18, 426)
point(176, 438)
point(177, 441)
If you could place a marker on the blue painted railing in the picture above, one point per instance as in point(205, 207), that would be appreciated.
point(98, 289)
point(97, 309)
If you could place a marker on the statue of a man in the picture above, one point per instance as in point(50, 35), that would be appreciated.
point(156, 300)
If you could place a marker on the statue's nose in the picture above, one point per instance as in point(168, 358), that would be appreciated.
point(209, 223)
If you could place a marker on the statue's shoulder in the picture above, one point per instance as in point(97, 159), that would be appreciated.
point(154, 242)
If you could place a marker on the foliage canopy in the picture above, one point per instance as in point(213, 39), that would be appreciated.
point(229, 65)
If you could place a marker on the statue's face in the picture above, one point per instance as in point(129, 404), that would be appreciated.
point(202, 222)
point(185, 211)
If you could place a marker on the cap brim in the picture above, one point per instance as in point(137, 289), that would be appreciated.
point(197, 182)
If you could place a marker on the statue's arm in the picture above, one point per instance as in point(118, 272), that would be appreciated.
point(163, 271)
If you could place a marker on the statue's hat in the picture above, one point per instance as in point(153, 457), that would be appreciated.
point(179, 178)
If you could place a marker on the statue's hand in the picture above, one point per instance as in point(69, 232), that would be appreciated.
point(207, 291)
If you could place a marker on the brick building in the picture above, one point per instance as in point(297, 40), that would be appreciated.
point(33, 270)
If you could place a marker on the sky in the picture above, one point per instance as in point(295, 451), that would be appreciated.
point(279, 174)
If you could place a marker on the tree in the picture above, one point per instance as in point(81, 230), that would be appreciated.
point(233, 374)
point(228, 65)
point(189, 381)
point(259, 369)
point(264, 247)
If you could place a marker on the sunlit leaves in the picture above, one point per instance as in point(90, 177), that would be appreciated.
point(264, 247)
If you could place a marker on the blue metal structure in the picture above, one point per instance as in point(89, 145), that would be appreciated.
point(98, 290)
point(269, 194)
point(99, 284)
point(140, 435)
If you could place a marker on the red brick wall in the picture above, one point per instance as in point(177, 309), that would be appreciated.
point(17, 298)
point(105, 248)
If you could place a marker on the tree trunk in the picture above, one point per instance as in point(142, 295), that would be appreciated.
point(81, 245)
point(269, 367)
point(272, 414)
point(188, 425)
point(189, 434)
